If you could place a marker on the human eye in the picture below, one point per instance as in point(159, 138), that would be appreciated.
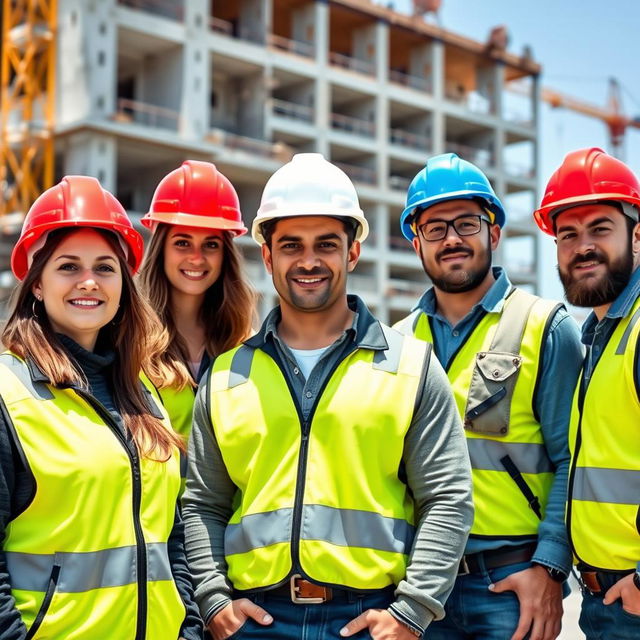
point(212, 245)
point(67, 266)
point(467, 223)
point(105, 268)
point(566, 236)
point(434, 229)
point(601, 230)
point(327, 244)
point(181, 243)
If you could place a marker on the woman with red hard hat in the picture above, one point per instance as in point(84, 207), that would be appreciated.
point(192, 276)
point(89, 468)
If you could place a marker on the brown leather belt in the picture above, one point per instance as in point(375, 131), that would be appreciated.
point(598, 582)
point(476, 562)
point(589, 580)
point(304, 592)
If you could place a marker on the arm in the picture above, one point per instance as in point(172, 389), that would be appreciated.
point(439, 475)
point(206, 511)
point(191, 628)
point(11, 625)
point(561, 361)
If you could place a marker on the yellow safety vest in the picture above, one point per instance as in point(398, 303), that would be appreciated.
point(603, 514)
point(324, 495)
point(501, 510)
point(88, 557)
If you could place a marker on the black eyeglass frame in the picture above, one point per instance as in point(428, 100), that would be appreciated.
point(452, 223)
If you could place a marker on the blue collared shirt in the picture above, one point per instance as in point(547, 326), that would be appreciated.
point(562, 357)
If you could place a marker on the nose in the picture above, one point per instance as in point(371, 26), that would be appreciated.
point(584, 243)
point(308, 260)
point(87, 281)
point(452, 238)
point(196, 256)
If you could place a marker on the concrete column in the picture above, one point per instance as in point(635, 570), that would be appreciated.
point(253, 20)
point(303, 28)
point(381, 229)
point(382, 103)
point(421, 63)
point(323, 97)
point(92, 154)
point(438, 62)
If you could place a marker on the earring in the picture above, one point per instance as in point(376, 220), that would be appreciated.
point(33, 309)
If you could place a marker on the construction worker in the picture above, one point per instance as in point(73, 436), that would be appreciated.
point(327, 467)
point(92, 540)
point(512, 360)
point(591, 206)
point(192, 276)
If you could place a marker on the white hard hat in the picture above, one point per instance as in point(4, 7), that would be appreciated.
point(309, 186)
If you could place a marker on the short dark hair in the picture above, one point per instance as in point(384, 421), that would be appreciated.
point(350, 228)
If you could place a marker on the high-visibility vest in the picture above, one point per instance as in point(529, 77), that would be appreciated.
point(501, 508)
point(322, 496)
point(179, 406)
point(88, 556)
point(603, 510)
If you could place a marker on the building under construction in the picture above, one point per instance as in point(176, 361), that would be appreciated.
point(137, 86)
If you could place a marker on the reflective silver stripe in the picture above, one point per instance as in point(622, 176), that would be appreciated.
point(341, 527)
point(622, 346)
point(81, 572)
point(615, 486)
point(389, 359)
point(20, 370)
point(240, 366)
point(528, 457)
point(353, 528)
point(258, 530)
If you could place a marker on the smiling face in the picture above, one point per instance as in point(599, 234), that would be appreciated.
point(192, 259)
point(595, 253)
point(456, 263)
point(80, 286)
point(309, 260)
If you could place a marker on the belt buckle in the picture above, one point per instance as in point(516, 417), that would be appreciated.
point(295, 598)
point(589, 580)
point(463, 568)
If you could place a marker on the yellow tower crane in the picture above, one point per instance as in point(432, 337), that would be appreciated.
point(27, 109)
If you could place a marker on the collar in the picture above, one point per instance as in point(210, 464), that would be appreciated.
point(365, 330)
point(492, 301)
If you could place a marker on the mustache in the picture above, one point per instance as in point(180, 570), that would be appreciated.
point(452, 251)
point(590, 256)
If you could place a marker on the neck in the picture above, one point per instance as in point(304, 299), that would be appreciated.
point(601, 311)
point(185, 310)
point(455, 306)
point(315, 329)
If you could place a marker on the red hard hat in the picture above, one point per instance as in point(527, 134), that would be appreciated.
point(76, 201)
point(196, 195)
point(586, 175)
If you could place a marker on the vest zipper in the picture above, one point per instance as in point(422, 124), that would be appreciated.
point(141, 548)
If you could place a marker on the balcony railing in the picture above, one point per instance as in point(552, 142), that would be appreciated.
point(218, 25)
point(353, 64)
point(518, 117)
point(359, 174)
point(405, 288)
point(407, 80)
point(292, 110)
point(482, 157)
point(232, 141)
point(305, 49)
point(149, 115)
point(400, 243)
point(408, 139)
point(353, 125)
point(399, 182)
point(472, 100)
point(164, 8)
point(519, 170)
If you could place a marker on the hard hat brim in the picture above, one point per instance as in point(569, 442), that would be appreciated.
point(153, 218)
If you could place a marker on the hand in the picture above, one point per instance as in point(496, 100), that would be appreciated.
point(381, 625)
point(540, 603)
point(228, 620)
point(627, 592)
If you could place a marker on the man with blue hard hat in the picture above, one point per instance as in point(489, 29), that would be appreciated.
point(512, 359)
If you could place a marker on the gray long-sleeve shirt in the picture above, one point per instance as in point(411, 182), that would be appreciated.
point(435, 463)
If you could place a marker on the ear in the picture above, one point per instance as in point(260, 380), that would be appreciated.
point(266, 258)
point(353, 256)
point(495, 233)
point(635, 242)
point(416, 246)
point(36, 289)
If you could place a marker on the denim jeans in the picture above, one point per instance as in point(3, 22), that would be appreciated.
point(475, 613)
point(607, 622)
point(310, 621)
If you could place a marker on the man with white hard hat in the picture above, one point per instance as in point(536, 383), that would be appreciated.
point(328, 492)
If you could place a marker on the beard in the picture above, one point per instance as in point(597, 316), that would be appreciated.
point(459, 280)
point(592, 291)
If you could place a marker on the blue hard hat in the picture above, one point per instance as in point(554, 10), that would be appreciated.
point(448, 177)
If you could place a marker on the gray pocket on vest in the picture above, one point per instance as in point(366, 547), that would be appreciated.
point(490, 392)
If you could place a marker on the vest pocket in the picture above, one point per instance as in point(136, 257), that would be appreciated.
point(48, 597)
point(489, 398)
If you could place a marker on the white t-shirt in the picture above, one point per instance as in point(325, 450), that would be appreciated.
point(307, 359)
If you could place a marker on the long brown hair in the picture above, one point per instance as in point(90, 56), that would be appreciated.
point(134, 334)
point(227, 312)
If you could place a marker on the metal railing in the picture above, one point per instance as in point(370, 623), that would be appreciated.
point(353, 125)
point(292, 110)
point(517, 117)
point(352, 64)
point(146, 114)
point(399, 183)
point(164, 8)
point(359, 174)
point(409, 139)
point(234, 142)
point(472, 100)
point(405, 288)
point(298, 47)
point(407, 80)
point(477, 155)
point(400, 243)
point(218, 25)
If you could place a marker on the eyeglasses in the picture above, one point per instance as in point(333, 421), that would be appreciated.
point(468, 224)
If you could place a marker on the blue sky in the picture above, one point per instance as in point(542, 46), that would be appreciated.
point(580, 44)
